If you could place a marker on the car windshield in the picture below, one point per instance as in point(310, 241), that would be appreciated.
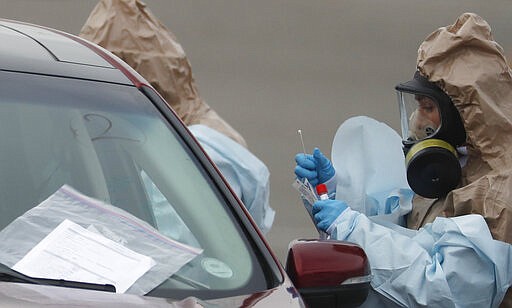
point(109, 142)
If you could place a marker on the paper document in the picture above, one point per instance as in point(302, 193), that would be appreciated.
point(307, 193)
point(306, 190)
point(71, 252)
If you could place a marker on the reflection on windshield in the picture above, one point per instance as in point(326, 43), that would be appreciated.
point(167, 219)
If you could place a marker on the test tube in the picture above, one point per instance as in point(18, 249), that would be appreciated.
point(321, 191)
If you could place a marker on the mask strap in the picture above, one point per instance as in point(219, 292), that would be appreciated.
point(463, 155)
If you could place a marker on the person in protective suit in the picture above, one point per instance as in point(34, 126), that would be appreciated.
point(129, 30)
point(456, 118)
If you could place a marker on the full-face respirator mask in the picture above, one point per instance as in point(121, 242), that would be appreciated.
point(431, 131)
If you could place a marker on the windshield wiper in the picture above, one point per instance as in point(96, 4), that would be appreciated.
point(10, 275)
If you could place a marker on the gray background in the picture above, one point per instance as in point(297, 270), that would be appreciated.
point(271, 67)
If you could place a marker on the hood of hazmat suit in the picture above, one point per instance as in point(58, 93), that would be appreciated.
point(464, 60)
point(128, 29)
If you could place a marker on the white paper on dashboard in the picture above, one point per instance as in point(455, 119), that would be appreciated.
point(71, 252)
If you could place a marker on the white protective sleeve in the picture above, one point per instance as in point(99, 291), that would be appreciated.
point(452, 262)
point(247, 175)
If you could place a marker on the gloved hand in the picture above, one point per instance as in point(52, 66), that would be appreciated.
point(326, 211)
point(316, 168)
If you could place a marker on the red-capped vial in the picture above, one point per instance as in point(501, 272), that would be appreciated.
point(321, 191)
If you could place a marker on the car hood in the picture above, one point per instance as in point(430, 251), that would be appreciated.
point(30, 295)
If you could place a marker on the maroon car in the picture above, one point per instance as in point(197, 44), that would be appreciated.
point(86, 140)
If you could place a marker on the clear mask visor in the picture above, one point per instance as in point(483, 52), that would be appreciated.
point(420, 117)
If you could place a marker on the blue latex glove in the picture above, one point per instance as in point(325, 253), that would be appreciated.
point(326, 211)
point(316, 168)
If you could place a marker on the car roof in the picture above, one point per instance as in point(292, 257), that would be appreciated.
point(39, 50)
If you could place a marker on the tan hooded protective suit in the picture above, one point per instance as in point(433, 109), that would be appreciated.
point(465, 61)
point(130, 31)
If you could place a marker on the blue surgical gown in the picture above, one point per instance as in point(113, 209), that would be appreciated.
point(452, 262)
point(247, 175)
